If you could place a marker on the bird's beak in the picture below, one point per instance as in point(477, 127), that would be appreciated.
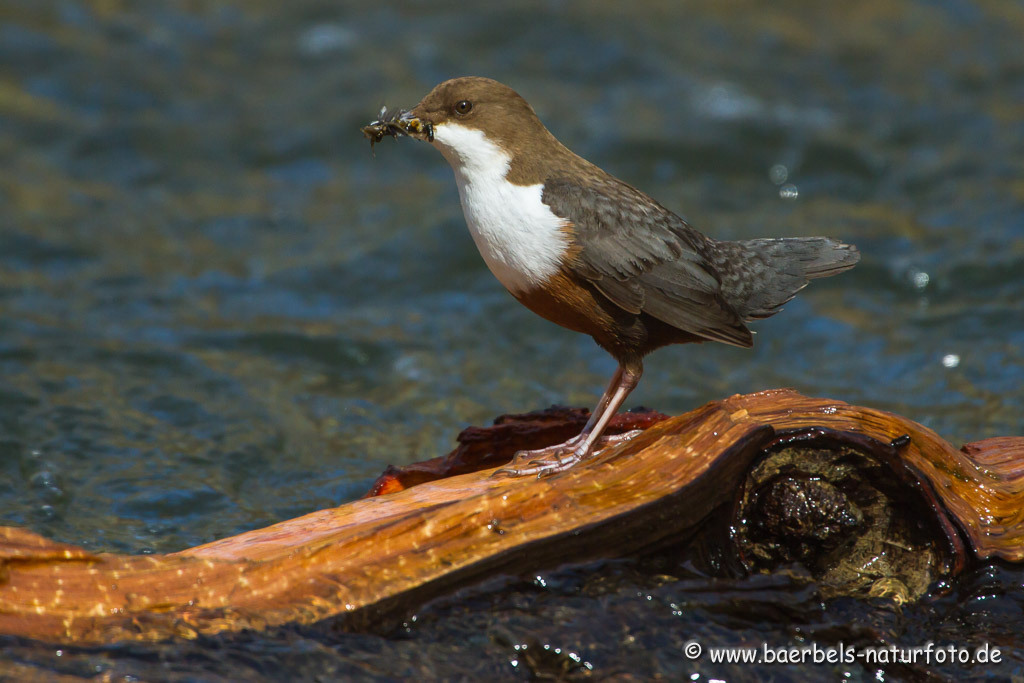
point(416, 127)
point(396, 123)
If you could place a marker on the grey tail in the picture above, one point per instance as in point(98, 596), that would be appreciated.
point(758, 276)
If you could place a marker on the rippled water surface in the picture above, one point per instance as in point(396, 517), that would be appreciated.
point(219, 310)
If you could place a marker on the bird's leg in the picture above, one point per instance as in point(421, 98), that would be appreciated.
point(564, 455)
point(599, 410)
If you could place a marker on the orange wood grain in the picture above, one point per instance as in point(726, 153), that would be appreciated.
point(370, 558)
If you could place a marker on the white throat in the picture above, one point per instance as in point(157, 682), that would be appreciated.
point(520, 238)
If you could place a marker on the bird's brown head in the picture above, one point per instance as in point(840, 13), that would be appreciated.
point(474, 101)
point(469, 118)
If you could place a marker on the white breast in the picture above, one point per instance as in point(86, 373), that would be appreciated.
point(521, 240)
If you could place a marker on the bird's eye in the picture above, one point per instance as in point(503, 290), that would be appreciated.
point(463, 107)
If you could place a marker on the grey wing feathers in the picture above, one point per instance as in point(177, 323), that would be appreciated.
point(623, 231)
point(645, 258)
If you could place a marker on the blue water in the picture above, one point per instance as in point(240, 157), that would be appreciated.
point(219, 310)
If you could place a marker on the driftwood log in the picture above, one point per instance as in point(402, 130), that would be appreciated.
point(789, 477)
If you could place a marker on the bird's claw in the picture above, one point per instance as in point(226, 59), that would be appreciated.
point(540, 462)
point(557, 458)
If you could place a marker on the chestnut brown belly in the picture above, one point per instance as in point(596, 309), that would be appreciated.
point(574, 303)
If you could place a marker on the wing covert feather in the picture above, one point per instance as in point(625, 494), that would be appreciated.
point(644, 258)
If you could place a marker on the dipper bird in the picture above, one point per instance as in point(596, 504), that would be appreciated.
point(592, 253)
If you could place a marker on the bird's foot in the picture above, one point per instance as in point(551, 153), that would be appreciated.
point(559, 457)
point(542, 461)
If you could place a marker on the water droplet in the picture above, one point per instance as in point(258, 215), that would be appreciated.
point(43, 479)
point(789, 191)
point(778, 174)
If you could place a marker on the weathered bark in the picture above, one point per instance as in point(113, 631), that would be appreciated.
point(367, 559)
